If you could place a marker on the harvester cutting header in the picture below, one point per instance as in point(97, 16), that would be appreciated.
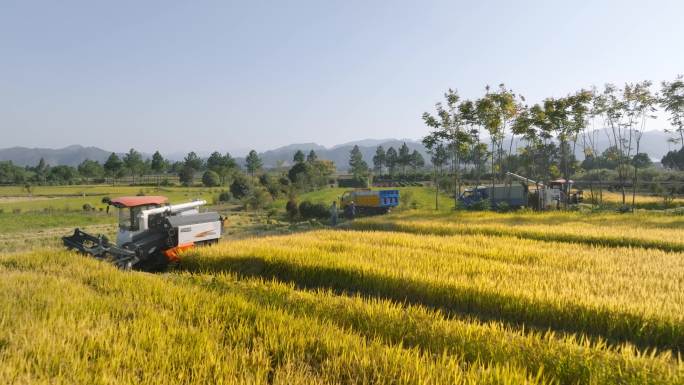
point(151, 233)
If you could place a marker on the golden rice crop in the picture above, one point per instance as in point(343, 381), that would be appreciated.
point(565, 359)
point(664, 232)
point(621, 294)
point(68, 320)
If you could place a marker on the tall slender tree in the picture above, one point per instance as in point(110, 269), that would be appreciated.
point(639, 107)
point(113, 166)
point(158, 164)
point(391, 160)
point(672, 101)
point(379, 160)
point(448, 129)
point(357, 166)
point(253, 163)
point(312, 157)
point(298, 157)
point(133, 162)
point(417, 161)
point(404, 158)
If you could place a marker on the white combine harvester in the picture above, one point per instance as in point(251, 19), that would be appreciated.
point(151, 233)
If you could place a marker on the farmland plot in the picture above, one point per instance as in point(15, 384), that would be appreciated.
point(427, 302)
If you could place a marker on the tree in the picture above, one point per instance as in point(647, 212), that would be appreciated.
point(391, 158)
point(448, 131)
point(641, 160)
point(211, 179)
point(312, 157)
point(299, 173)
point(565, 118)
point(358, 166)
point(253, 162)
point(193, 161)
point(133, 162)
point(404, 158)
point(257, 198)
point(496, 112)
point(61, 174)
point(176, 167)
point(186, 175)
point(41, 170)
point(158, 164)
point(298, 157)
point(270, 184)
point(223, 165)
point(113, 165)
point(439, 158)
point(610, 105)
point(10, 173)
point(625, 112)
point(672, 101)
point(240, 186)
point(674, 160)
point(215, 161)
point(379, 159)
point(90, 169)
point(417, 161)
point(475, 151)
point(639, 107)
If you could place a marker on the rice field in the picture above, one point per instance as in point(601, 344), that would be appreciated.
point(69, 320)
point(415, 297)
point(641, 229)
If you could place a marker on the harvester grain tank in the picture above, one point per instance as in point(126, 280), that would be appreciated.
point(151, 233)
point(369, 201)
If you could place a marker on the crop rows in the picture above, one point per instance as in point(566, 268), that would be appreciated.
point(568, 360)
point(652, 231)
point(69, 320)
point(619, 294)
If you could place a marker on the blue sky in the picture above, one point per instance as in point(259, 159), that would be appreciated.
point(228, 76)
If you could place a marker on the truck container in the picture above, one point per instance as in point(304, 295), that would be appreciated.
point(512, 195)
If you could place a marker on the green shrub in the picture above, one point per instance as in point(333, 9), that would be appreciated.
point(240, 186)
point(292, 209)
point(225, 196)
point(310, 210)
point(211, 179)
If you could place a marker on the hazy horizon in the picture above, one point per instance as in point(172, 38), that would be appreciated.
point(212, 75)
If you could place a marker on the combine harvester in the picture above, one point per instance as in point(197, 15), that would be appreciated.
point(151, 233)
point(370, 202)
point(554, 195)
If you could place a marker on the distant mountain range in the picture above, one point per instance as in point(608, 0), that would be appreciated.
point(74, 155)
point(71, 156)
point(654, 143)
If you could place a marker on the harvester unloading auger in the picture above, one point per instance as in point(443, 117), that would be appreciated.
point(151, 233)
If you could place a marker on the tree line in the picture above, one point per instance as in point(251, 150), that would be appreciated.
point(390, 163)
point(478, 136)
point(251, 184)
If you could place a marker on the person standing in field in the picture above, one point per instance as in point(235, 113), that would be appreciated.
point(350, 210)
point(333, 213)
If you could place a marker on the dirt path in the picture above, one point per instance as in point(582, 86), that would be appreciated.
point(19, 199)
